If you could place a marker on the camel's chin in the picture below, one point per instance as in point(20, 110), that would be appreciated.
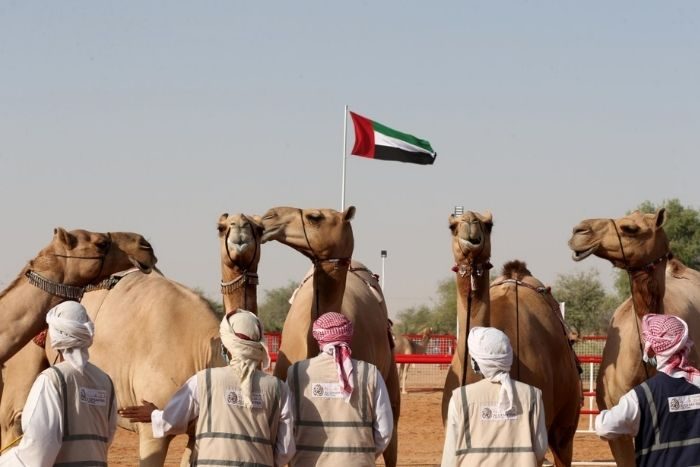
point(581, 255)
point(270, 235)
point(144, 268)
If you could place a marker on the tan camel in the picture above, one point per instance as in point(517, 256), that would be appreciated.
point(189, 337)
point(239, 239)
point(638, 244)
point(404, 345)
point(59, 272)
point(525, 310)
point(325, 236)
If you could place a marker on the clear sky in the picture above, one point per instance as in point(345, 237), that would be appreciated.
point(156, 117)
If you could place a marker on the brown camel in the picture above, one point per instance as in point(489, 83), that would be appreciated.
point(520, 306)
point(638, 244)
point(404, 345)
point(325, 236)
point(60, 272)
point(190, 321)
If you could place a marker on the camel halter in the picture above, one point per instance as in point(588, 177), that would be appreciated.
point(339, 262)
point(475, 271)
point(246, 278)
point(649, 267)
point(69, 292)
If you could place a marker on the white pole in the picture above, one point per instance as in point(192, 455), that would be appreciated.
point(345, 138)
point(383, 254)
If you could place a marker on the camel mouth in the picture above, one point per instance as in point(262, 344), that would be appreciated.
point(271, 234)
point(468, 245)
point(144, 268)
point(579, 255)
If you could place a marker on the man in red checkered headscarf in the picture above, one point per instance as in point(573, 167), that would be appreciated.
point(343, 414)
point(663, 413)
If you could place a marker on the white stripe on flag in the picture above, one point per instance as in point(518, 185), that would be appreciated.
point(381, 139)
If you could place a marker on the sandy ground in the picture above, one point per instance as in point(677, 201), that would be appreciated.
point(420, 437)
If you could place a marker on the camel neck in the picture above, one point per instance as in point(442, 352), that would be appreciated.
point(25, 307)
point(329, 287)
point(648, 289)
point(478, 288)
point(239, 289)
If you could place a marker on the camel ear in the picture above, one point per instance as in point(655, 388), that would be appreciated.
point(452, 222)
point(65, 237)
point(220, 225)
point(661, 217)
point(256, 223)
point(488, 217)
point(349, 213)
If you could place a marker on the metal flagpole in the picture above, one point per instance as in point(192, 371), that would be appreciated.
point(345, 137)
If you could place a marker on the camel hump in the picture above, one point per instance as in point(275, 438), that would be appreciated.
point(515, 269)
point(676, 268)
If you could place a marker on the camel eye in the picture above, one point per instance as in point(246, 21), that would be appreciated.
point(102, 244)
point(629, 229)
point(221, 228)
point(315, 217)
point(488, 226)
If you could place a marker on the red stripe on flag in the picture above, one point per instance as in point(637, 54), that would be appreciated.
point(364, 136)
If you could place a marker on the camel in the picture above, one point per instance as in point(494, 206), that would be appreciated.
point(144, 302)
point(60, 272)
point(523, 308)
point(325, 236)
point(404, 345)
point(660, 284)
point(239, 238)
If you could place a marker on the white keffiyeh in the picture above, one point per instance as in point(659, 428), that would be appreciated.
point(242, 335)
point(71, 332)
point(491, 350)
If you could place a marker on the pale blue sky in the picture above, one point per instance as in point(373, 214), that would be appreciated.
point(156, 117)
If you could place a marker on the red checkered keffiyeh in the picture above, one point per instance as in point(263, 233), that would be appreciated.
point(667, 336)
point(333, 332)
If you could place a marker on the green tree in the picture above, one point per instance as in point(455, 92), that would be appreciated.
point(275, 306)
point(444, 311)
point(588, 306)
point(683, 230)
point(413, 320)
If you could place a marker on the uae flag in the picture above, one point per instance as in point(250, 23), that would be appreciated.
point(376, 141)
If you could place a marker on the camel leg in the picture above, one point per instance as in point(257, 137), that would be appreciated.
point(561, 443)
point(187, 456)
point(451, 383)
point(623, 451)
point(152, 451)
point(392, 385)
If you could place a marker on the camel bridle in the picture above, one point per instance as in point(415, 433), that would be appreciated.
point(649, 268)
point(66, 291)
point(316, 261)
point(246, 278)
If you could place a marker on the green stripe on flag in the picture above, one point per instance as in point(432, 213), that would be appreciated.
point(390, 132)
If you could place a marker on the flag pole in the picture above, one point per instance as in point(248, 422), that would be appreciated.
point(345, 137)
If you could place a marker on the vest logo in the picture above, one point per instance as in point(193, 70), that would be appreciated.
point(684, 403)
point(234, 397)
point(93, 396)
point(494, 413)
point(327, 390)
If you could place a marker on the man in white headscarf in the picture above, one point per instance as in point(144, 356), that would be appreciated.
point(245, 415)
point(343, 414)
point(663, 412)
point(69, 417)
point(497, 421)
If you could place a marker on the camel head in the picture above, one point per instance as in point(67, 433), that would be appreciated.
point(471, 236)
point(319, 234)
point(85, 257)
point(641, 236)
point(239, 238)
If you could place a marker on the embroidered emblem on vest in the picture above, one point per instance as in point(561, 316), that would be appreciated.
point(233, 397)
point(93, 396)
point(327, 390)
point(495, 414)
point(683, 403)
